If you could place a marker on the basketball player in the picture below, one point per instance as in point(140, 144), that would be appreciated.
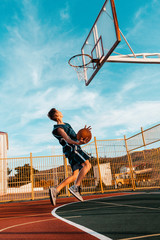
point(78, 159)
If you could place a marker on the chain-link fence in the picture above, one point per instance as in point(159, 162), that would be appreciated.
point(122, 164)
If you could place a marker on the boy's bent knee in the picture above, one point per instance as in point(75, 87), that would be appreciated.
point(90, 165)
point(87, 164)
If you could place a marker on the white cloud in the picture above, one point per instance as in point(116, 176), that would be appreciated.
point(144, 33)
point(122, 120)
point(64, 13)
point(36, 77)
point(139, 114)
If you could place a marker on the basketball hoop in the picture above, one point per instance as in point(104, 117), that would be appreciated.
point(80, 63)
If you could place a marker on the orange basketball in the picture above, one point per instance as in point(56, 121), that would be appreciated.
point(84, 133)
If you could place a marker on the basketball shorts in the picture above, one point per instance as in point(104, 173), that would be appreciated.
point(75, 155)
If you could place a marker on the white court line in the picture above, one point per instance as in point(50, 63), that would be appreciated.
point(145, 236)
point(112, 204)
point(23, 216)
point(84, 209)
point(91, 232)
point(50, 219)
point(126, 205)
point(87, 230)
point(22, 224)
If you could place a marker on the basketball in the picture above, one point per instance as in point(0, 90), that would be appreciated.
point(84, 133)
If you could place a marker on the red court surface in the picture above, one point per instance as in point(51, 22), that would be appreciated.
point(33, 220)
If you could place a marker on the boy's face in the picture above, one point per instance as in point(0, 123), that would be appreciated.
point(58, 114)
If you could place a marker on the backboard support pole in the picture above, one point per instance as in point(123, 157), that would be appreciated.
point(127, 42)
point(146, 58)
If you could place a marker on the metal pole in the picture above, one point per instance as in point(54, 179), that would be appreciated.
point(127, 43)
point(130, 164)
point(143, 138)
point(99, 171)
point(31, 175)
point(66, 174)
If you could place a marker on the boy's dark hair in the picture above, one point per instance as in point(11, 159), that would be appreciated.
point(51, 114)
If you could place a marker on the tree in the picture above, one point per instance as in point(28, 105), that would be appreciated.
point(23, 175)
point(9, 171)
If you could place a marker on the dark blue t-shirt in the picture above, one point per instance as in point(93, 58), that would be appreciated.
point(67, 128)
point(71, 133)
point(73, 152)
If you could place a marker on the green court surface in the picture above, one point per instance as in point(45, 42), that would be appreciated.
point(122, 217)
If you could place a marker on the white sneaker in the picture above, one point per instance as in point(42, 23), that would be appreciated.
point(53, 195)
point(75, 192)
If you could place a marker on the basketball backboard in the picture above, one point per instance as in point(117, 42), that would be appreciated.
point(101, 40)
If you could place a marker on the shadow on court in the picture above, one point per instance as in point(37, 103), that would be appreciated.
point(119, 217)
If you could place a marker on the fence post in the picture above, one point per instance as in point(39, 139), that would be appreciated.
point(99, 171)
point(158, 166)
point(31, 175)
point(130, 164)
point(66, 174)
point(143, 138)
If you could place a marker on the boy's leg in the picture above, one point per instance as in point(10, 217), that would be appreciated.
point(86, 167)
point(75, 188)
point(53, 192)
point(53, 195)
point(68, 180)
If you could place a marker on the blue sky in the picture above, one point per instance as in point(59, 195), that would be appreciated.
point(37, 39)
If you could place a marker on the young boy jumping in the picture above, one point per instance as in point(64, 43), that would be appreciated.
point(78, 159)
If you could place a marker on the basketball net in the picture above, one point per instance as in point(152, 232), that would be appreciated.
point(81, 73)
point(80, 63)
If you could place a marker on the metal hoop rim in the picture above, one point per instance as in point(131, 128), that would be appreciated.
point(78, 55)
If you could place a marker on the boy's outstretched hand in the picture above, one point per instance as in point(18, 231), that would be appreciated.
point(89, 128)
point(84, 140)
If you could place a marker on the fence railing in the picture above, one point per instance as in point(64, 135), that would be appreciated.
point(117, 165)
